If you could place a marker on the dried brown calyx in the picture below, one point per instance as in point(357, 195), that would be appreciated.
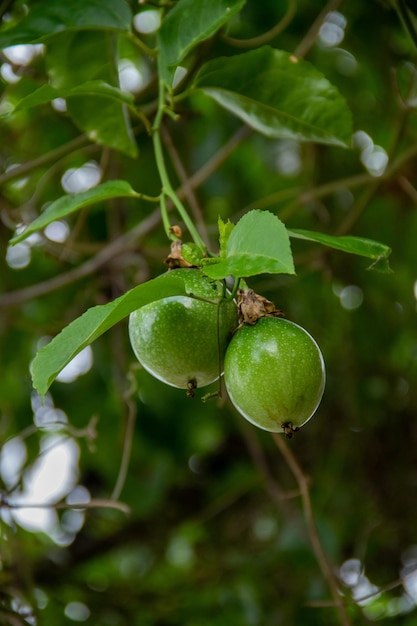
point(175, 258)
point(252, 307)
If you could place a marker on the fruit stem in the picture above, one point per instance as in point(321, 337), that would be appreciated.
point(167, 189)
point(165, 220)
point(219, 351)
point(232, 294)
point(215, 302)
point(223, 298)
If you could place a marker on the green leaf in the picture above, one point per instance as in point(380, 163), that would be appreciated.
point(51, 359)
point(225, 229)
point(188, 24)
point(47, 93)
point(76, 58)
point(258, 244)
point(192, 253)
point(55, 16)
point(353, 245)
point(278, 95)
point(69, 204)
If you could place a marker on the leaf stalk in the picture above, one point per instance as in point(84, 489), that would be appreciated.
point(167, 189)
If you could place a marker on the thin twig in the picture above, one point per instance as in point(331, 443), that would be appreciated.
point(126, 241)
point(272, 486)
point(406, 20)
point(388, 587)
point(225, 501)
point(117, 246)
point(97, 503)
point(311, 36)
point(185, 184)
point(409, 189)
point(358, 208)
point(127, 445)
point(50, 157)
point(321, 557)
point(276, 30)
point(369, 192)
point(345, 183)
point(307, 195)
point(221, 155)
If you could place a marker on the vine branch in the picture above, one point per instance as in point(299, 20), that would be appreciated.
point(313, 534)
point(185, 183)
point(308, 42)
point(167, 189)
point(276, 30)
point(127, 443)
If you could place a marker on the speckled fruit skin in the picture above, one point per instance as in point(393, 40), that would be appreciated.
point(274, 373)
point(175, 338)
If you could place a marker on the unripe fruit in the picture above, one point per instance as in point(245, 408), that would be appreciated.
point(274, 374)
point(181, 340)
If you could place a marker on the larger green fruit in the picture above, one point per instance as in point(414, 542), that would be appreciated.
point(274, 374)
point(182, 340)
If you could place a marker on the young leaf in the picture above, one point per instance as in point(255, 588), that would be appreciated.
point(47, 93)
point(51, 359)
point(186, 25)
point(76, 58)
point(278, 95)
point(54, 16)
point(192, 253)
point(361, 246)
point(225, 229)
point(258, 244)
point(69, 204)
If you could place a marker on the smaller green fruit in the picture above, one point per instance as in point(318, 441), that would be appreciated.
point(274, 374)
point(182, 340)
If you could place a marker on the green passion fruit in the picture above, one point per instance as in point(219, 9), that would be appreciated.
point(181, 340)
point(274, 374)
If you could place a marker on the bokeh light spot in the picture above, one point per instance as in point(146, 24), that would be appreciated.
point(147, 22)
point(79, 365)
point(77, 611)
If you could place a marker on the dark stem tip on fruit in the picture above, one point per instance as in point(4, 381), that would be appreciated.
point(191, 385)
point(289, 429)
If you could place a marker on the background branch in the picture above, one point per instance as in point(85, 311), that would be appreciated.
point(310, 38)
point(313, 534)
point(128, 240)
point(45, 159)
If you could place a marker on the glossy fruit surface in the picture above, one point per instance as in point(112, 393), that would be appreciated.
point(176, 339)
point(274, 374)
